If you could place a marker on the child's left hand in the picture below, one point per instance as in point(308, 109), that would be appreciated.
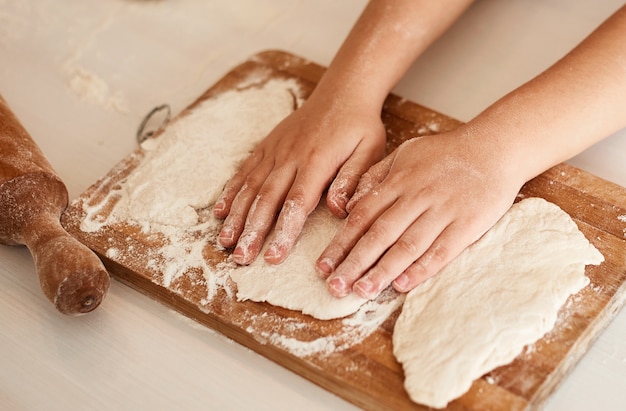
point(416, 210)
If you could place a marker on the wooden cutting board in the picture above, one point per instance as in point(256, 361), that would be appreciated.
point(364, 371)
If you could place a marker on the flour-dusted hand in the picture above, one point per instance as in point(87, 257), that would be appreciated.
point(288, 171)
point(421, 206)
point(335, 136)
point(415, 211)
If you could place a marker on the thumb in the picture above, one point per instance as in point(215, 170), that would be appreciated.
point(374, 176)
point(345, 183)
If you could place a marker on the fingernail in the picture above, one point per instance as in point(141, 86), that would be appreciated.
point(337, 287)
point(226, 235)
point(364, 287)
point(273, 255)
point(401, 282)
point(340, 202)
point(239, 255)
point(271, 252)
point(326, 265)
point(219, 206)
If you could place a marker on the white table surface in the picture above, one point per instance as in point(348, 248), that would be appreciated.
point(133, 353)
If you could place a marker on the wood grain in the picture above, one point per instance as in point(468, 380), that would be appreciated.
point(366, 373)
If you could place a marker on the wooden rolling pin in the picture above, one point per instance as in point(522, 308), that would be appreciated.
point(32, 198)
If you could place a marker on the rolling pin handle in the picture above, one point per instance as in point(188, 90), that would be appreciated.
point(32, 198)
point(71, 276)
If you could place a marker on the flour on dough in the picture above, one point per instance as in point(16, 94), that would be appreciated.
point(294, 284)
point(500, 294)
point(186, 167)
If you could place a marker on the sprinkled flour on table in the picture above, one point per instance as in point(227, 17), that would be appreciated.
point(354, 329)
point(169, 194)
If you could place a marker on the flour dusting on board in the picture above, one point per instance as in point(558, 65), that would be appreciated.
point(293, 337)
point(168, 196)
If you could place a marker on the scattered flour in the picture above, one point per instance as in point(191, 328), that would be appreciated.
point(92, 89)
point(179, 175)
point(83, 82)
point(113, 253)
point(355, 329)
point(170, 192)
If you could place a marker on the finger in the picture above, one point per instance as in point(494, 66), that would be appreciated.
point(357, 245)
point(222, 206)
point(354, 226)
point(448, 245)
point(344, 185)
point(374, 176)
point(288, 227)
point(241, 204)
point(261, 215)
point(412, 244)
point(387, 232)
point(235, 221)
point(301, 200)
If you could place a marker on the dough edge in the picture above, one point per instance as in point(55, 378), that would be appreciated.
point(438, 393)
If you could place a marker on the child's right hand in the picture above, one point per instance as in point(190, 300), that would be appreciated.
point(327, 139)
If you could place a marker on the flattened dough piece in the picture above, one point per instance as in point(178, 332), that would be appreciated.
point(500, 294)
point(294, 284)
point(186, 168)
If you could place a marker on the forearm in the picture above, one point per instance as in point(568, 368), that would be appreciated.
point(569, 107)
point(384, 42)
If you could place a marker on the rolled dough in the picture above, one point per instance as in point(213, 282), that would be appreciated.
point(186, 167)
point(294, 284)
point(500, 294)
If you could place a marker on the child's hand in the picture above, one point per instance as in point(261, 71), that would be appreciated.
point(289, 170)
point(416, 210)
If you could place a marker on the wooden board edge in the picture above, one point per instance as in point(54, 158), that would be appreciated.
point(579, 349)
point(332, 386)
point(299, 366)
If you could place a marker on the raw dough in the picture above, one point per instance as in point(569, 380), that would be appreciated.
point(185, 169)
point(500, 294)
point(294, 284)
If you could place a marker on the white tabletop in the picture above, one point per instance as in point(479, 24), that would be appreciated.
point(81, 74)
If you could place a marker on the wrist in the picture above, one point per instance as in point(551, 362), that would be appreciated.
point(347, 95)
point(499, 152)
